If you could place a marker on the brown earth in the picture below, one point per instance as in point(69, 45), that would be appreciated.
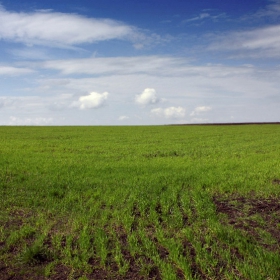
point(253, 214)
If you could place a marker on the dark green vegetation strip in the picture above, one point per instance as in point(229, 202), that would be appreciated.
point(193, 202)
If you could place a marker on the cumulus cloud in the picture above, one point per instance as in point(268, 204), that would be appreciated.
point(199, 120)
point(122, 118)
point(170, 112)
point(199, 110)
point(59, 29)
point(148, 96)
point(91, 101)
point(166, 74)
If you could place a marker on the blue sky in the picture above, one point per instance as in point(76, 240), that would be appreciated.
point(127, 62)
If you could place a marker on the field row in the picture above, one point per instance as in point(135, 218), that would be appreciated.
point(140, 202)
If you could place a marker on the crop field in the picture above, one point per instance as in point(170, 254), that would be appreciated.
point(147, 202)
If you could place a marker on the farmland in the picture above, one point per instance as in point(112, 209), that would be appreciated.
point(154, 202)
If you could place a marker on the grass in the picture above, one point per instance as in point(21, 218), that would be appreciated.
point(155, 202)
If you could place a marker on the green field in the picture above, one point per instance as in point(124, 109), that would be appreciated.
point(155, 202)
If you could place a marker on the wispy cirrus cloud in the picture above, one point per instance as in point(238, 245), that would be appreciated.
point(27, 53)
point(199, 17)
point(257, 43)
point(61, 30)
point(171, 76)
point(147, 65)
point(116, 65)
point(271, 11)
point(14, 71)
point(204, 15)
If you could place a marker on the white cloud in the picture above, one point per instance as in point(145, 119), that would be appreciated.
point(259, 43)
point(172, 77)
point(174, 112)
point(200, 109)
point(176, 79)
point(199, 120)
point(148, 96)
point(22, 102)
point(14, 71)
point(60, 29)
point(30, 121)
point(200, 17)
point(170, 112)
point(91, 101)
point(203, 16)
point(29, 53)
point(122, 118)
point(153, 65)
point(274, 8)
point(6, 102)
point(271, 11)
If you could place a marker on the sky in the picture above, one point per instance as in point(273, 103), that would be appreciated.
point(131, 62)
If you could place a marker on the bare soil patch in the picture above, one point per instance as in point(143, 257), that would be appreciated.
point(253, 215)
